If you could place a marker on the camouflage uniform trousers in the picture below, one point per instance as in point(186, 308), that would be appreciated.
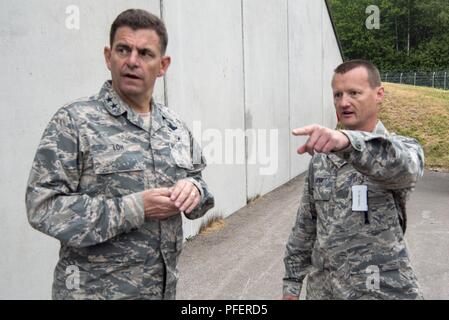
point(395, 284)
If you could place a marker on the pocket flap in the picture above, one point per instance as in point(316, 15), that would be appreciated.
point(180, 152)
point(322, 187)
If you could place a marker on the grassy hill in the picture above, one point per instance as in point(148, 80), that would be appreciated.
point(422, 113)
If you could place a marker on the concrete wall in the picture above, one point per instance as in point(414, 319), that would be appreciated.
point(237, 64)
point(266, 43)
point(205, 86)
point(331, 59)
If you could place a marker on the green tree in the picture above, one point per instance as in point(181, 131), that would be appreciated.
point(413, 35)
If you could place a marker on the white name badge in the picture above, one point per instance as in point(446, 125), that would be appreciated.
point(359, 198)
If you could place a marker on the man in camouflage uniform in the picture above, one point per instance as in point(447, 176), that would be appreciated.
point(349, 233)
point(112, 174)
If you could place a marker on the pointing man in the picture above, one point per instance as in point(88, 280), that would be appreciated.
point(349, 233)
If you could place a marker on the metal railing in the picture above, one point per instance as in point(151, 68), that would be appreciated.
point(435, 79)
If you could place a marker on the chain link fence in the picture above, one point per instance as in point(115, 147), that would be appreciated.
point(436, 79)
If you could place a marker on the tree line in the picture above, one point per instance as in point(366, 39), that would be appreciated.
point(412, 35)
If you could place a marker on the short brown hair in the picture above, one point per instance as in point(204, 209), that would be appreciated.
point(140, 19)
point(373, 73)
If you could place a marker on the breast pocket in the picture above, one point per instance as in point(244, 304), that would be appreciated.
point(180, 151)
point(322, 195)
point(120, 173)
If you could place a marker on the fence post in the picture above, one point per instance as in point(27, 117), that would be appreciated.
point(414, 80)
point(445, 80)
point(433, 80)
point(386, 77)
point(400, 79)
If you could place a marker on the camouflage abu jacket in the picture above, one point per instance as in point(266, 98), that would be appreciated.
point(341, 249)
point(94, 160)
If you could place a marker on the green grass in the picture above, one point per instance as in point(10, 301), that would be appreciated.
point(421, 113)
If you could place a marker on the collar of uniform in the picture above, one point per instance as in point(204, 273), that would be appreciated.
point(156, 116)
point(111, 100)
point(116, 106)
point(380, 129)
point(338, 162)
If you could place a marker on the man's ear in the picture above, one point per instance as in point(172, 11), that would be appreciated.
point(380, 94)
point(107, 57)
point(165, 63)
